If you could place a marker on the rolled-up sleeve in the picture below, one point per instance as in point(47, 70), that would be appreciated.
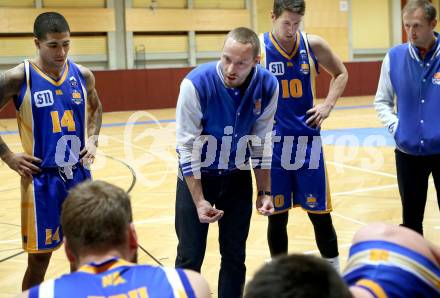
point(261, 153)
point(384, 99)
point(188, 127)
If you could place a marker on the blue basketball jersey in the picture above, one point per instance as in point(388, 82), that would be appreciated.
point(386, 269)
point(296, 73)
point(51, 115)
point(117, 278)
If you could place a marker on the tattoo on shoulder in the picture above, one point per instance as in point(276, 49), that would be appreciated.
point(88, 76)
point(10, 83)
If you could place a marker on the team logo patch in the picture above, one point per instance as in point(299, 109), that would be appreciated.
point(303, 54)
point(257, 107)
point(436, 78)
point(305, 68)
point(73, 82)
point(76, 97)
point(43, 98)
point(311, 201)
point(276, 68)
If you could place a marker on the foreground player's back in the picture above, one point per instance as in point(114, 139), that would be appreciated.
point(118, 278)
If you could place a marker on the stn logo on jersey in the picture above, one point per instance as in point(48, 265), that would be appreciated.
point(436, 78)
point(276, 68)
point(43, 98)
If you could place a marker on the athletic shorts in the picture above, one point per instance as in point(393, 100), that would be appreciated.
point(300, 181)
point(41, 199)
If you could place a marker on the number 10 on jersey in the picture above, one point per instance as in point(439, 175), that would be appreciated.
point(291, 88)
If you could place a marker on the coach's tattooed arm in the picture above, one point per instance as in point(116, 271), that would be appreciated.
point(10, 83)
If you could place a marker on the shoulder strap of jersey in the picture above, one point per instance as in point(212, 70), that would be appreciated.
point(46, 289)
point(311, 60)
point(174, 280)
point(27, 71)
point(313, 72)
point(262, 51)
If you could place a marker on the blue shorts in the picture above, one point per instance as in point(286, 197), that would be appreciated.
point(306, 187)
point(41, 201)
point(386, 269)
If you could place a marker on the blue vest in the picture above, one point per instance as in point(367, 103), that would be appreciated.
point(51, 115)
point(223, 118)
point(416, 83)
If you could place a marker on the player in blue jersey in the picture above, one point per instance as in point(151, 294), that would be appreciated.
point(57, 110)
point(230, 104)
point(385, 261)
point(298, 173)
point(407, 104)
point(392, 261)
point(101, 245)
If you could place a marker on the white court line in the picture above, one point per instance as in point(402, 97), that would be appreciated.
point(338, 164)
point(127, 143)
point(361, 169)
point(349, 218)
point(116, 177)
point(10, 187)
point(437, 228)
point(140, 148)
point(138, 223)
point(316, 251)
point(359, 190)
point(9, 241)
point(155, 220)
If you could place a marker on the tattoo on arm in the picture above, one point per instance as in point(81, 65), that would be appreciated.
point(95, 114)
point(94, 105)
point(3, 148)
point(10, 84)
point(3, 97)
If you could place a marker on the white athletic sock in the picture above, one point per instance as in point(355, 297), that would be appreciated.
point(334, 262)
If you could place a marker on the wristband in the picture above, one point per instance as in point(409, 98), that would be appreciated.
point(264, 193)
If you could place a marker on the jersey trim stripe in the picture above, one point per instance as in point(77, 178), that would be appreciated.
point(391, 258)
point(47, 288)
point(262, 50)
point(29, 215)
point(281, 50)
point(103, 267)
point(313, 72)
point(186, 284)
point(25, 119)
point(175, 282)
point(49, 79)
point(373, 287)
